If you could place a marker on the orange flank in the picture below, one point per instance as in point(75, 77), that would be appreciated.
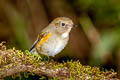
point(44, 39)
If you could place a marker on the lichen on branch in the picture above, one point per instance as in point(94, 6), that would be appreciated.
point(14, 61)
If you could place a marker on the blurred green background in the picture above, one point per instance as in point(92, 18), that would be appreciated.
point(95, 42)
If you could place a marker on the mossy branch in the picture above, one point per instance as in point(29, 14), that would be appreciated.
point(14, 61)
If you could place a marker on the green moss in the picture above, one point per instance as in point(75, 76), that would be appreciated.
point(75, 68)
point(43, 78)
point(77, 71)
point(18, 75)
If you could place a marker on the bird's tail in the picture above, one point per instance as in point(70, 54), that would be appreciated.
point(33, 50)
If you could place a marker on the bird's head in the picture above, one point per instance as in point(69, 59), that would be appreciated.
point(63, 25)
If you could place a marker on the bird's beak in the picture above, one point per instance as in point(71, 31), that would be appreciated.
point(74, 25)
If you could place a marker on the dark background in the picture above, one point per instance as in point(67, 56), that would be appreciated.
point(95, 42)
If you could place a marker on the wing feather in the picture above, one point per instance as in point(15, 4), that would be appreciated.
point(43, 37)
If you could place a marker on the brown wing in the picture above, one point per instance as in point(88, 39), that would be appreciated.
point(43, 37)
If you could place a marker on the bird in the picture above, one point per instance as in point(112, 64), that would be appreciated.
point(53, 39)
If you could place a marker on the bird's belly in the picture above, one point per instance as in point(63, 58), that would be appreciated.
point(54, 47)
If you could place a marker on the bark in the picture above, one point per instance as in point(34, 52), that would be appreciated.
point(14, 61)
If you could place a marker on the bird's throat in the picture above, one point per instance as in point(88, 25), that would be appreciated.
point(64, 35)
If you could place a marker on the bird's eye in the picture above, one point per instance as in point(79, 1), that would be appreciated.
point(63, 24)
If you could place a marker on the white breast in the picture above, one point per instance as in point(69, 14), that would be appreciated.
point(60, 45)
point(56, 47)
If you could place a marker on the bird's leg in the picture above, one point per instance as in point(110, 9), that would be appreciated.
point(48, 57)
